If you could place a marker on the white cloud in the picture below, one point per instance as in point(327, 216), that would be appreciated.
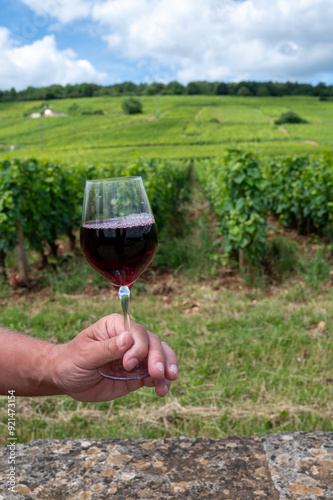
point(223, 39)
point(41, 64)
point(209, 39)
point(63, 10)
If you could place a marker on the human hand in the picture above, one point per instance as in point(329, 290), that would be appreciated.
point(76, 362)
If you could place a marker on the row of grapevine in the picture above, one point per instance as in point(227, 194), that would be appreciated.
point(166, 183)
point(41, 201)
point(243, 189)
point(41, 197)
point(300, 192)
point(235, 186)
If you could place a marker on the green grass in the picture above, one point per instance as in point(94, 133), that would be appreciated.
point(187, 127)
point(250, 362)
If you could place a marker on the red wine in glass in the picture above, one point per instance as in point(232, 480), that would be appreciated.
point(120, 249)
point(119, 239)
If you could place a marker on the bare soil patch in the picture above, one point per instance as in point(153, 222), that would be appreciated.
point(308, 141)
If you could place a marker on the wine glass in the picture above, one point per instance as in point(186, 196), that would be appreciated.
point(119, 239)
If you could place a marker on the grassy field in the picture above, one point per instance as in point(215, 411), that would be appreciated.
point(169, 127)
point(252, 360)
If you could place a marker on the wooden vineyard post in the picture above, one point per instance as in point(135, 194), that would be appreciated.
point(241, 260)
point(21, 257)
point(3, 263)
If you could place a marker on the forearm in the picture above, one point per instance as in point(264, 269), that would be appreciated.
point(27, 365)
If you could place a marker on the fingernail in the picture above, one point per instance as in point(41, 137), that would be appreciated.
point(174, 369)
point(166, 388)
point(121, 340)
point(132, 363)
point(160, 366)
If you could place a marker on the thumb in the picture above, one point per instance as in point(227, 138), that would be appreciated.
point(111, 349)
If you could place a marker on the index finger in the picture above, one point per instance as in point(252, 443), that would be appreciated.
point(139, 350)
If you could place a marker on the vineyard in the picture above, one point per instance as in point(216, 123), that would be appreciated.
point(244, 190)
point(241, 285)
point(42, 201)
point(170, 127)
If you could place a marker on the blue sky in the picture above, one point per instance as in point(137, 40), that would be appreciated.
point(108, 41)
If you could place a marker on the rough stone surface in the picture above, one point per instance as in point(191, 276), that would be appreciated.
point(301, 464)
point(232, 468)
point(273, 467)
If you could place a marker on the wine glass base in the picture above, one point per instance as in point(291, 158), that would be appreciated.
point(115, 371)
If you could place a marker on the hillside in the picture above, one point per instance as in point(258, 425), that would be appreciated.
point(96, 129)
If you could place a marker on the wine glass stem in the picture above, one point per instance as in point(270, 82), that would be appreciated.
point(124, 295)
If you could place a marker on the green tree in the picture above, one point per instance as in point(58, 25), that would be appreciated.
point(129, 88)
point(320, 90)
point(221, 89)
point(155, 88)
point(193, 88)
point(244, 91)
point(263, 91)
point(131, 106)
point(174, 88)
point(54, 92)
point(289, 117)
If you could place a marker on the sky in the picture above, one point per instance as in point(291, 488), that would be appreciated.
point(45, 42)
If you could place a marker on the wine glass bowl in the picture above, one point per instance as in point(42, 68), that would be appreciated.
point(119, 239)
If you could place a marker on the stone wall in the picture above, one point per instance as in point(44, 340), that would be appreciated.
point(274, 467)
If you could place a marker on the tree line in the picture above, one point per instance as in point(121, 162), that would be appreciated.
point(243, 88)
